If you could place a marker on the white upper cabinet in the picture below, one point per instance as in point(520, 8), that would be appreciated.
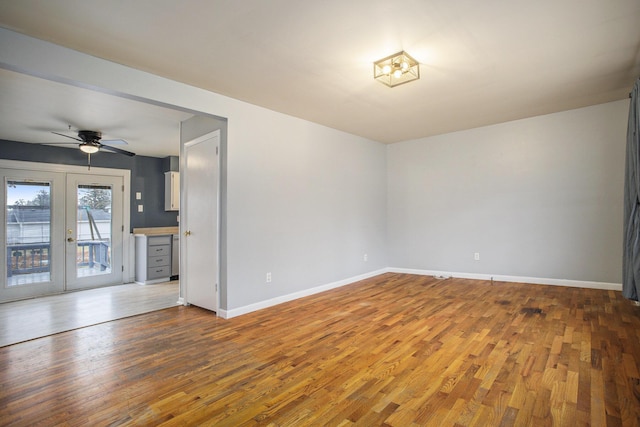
point(171, 191)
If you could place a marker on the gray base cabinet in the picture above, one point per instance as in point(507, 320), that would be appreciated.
point(153, 258)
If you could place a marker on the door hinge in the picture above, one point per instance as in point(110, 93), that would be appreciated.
point(123, 268)
point(216, 287)
point(216, 150)
point(123, 188)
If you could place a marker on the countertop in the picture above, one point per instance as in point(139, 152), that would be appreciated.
point(155, 231)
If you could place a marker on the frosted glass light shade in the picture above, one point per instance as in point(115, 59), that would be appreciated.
point(89, 148)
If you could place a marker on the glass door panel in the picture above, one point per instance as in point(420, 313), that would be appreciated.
point(31, 236)
point(93, 230)
point(28, 236)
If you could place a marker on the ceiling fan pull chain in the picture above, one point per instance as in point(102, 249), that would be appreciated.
point(89, 155)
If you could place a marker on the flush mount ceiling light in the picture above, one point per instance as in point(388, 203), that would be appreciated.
point(396, 69)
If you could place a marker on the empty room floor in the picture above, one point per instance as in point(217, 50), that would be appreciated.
point(392, 350)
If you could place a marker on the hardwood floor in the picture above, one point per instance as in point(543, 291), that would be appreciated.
point(394, 350)
point(38, 317)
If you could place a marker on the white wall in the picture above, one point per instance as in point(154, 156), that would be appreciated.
point(304, 202)
point(539, 197)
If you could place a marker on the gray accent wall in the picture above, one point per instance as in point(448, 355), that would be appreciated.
point(539, 197)
point(147, 176)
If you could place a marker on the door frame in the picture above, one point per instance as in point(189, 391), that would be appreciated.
point(127, 251)
point(183, 223)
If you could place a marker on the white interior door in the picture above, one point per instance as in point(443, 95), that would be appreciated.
point(199, 221)
point(94, 231)
point(32, 221)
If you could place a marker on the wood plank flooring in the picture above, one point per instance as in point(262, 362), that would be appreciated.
point(38, 317)
point(394, 350)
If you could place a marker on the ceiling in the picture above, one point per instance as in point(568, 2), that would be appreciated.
point(481, 62)
point(32, 108)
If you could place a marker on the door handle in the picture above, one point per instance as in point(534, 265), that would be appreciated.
point(187, 233)
point(70, 239)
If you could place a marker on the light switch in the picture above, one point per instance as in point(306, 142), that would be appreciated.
point(140, 208)
point(138, 195)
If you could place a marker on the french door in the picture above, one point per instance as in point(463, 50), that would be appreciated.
point(60, 231)
point(94, 231)
point(33, 233)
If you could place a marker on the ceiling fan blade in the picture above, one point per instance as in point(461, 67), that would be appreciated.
point(116, 150)
point(113, 142)
point(67, 136)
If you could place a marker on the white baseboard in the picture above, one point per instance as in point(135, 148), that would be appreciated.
point(513, 279)
point(154, 281)
point(227, 314)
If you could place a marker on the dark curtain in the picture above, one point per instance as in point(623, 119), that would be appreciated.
point(631, 254)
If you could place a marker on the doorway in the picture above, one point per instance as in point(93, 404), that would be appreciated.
point(60, 230)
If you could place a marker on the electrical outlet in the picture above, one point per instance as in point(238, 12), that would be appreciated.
point(140, 208)
point(138, 195)
point(269, 277)
point(365, 258)
point(476, 256)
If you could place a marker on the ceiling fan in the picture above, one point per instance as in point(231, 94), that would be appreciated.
point(91, 142)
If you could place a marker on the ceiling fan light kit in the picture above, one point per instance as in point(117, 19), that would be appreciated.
point(89, 147)
point(90, 143)
point(396, 69)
